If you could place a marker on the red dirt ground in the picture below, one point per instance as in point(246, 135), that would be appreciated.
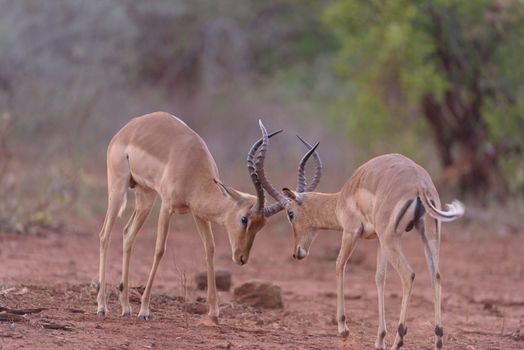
point(483, 294)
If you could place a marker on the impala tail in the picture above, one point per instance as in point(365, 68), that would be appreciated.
point(453, 211)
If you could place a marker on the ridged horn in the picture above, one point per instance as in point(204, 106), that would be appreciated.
point(301, 183)
point(261, 198)
point(282, 201)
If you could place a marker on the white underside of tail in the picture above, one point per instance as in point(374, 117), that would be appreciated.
point(453, 211)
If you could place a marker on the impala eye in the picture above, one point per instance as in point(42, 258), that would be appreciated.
point(290, 215)
point(243, 220)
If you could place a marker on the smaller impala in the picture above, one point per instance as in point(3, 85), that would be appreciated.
point(159, 155)
point(385, 197)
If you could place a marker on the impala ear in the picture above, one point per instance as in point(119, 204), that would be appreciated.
point(289, 194)
point(295, 196)
point(229, 192)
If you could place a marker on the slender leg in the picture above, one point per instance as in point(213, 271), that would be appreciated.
point(143, 203)
point(163, 226)
point(439, 331)
point(380, 279)
point(407, 276)
point(348, 244)
point(115, 200)
point(431, 249)
point(204, 228)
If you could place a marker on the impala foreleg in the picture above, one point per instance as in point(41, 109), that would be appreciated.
point(380, 280)
point(160, 248)
point(204, 229)
point(348, 244)
point(115, 200)
point(143, 204)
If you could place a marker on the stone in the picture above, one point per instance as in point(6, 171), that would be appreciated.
point(259, 294)
point(222, 280)
point(518, 335)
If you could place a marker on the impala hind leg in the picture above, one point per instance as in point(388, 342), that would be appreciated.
point(380, 280)
point(204, 229)
point(116, 196)
point(347, 247)
point(407, 276)
point(160, 248)
point(144, 200)
point(431, 250)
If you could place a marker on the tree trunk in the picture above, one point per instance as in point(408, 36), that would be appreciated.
point(476, 167)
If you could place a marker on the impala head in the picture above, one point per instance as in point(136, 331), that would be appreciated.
point(248, 213)
point(300, 213)
point(242, 221)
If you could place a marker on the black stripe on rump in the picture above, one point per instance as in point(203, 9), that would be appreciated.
point(402, 212)
point(419, 212)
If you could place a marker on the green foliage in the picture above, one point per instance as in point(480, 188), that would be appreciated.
point(286, 33)
point(384, 52)
point(268, 36)
point(396, 53)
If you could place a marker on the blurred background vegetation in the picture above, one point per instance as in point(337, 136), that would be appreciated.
point(441, 81)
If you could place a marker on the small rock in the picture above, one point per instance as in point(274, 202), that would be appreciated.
point(259, 294)
point(227, 345)
point(518, 335)
point(222, 278)
point(470, 347)
point(57, 326)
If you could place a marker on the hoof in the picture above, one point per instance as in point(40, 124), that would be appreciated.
point(126, 314)
point(101, 313)
point(344, 334)
point(143, 317)
point(214, 319)
point(398, 346)
point(209, 321)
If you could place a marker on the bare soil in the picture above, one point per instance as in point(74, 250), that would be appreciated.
point(483, 294)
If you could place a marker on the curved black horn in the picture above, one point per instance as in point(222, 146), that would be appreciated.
point(282, 201)
point(253, 172)
point(301, 186)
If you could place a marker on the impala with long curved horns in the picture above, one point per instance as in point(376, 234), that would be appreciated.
point(384, 198)
point(158, 154)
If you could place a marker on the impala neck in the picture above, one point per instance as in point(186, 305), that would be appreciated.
point(322, 207)
point(210, 203)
